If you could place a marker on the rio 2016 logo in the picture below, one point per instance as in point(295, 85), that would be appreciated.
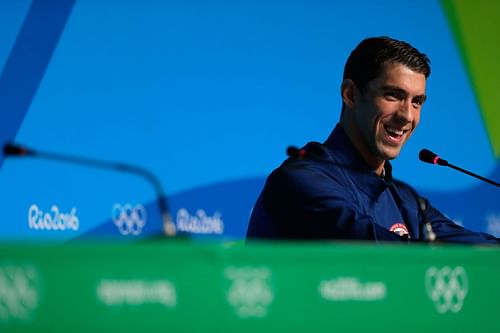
point(200, 223)
point(54, 220)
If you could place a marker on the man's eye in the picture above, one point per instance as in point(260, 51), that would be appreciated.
point(418, 102)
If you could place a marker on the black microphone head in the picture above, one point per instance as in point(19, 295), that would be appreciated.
point(428, 156)
point(10, 149)
point(294, 152)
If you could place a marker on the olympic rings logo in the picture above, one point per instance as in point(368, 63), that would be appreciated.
point(447, 288)
point(128, 219)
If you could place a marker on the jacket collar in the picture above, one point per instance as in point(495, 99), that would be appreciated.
point(344, 153)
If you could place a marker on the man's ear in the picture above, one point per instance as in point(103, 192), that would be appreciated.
point(347, 92)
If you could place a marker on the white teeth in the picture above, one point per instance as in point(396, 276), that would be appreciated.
point(394, 131)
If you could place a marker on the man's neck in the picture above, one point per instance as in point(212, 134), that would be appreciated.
point(357, 141)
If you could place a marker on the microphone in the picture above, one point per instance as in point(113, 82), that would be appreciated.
point(428, 156)
point(427, 232)
point(312, 150)
point(13, 150)
point(168, 225)
point(295, 152)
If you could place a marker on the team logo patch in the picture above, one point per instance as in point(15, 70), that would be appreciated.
point(400, 229)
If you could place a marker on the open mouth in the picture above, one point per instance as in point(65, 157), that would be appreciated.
point(394, 132)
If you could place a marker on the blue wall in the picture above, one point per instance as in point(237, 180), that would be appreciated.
point(207, 96)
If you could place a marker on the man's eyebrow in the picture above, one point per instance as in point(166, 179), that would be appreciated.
point(402, 91)
point(394, 88)
point(422, 97)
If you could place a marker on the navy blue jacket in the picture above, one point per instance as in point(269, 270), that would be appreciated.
point(331, 193)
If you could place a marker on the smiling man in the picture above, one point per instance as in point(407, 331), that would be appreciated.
point(343, 188)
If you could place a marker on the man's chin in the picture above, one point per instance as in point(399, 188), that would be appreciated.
point(390, 153)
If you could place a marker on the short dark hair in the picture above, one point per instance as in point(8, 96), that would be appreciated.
point(366, 62)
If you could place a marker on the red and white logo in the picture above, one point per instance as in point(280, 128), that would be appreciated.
point(400, 229)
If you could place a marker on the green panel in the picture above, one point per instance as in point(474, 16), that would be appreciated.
point(183, 287)
point(476, 25)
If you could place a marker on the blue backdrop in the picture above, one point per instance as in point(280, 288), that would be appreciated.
point(206, 95)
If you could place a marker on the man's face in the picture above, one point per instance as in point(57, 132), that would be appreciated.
point(388, 111)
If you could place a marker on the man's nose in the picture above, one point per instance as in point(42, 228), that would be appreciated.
point(406, 111)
